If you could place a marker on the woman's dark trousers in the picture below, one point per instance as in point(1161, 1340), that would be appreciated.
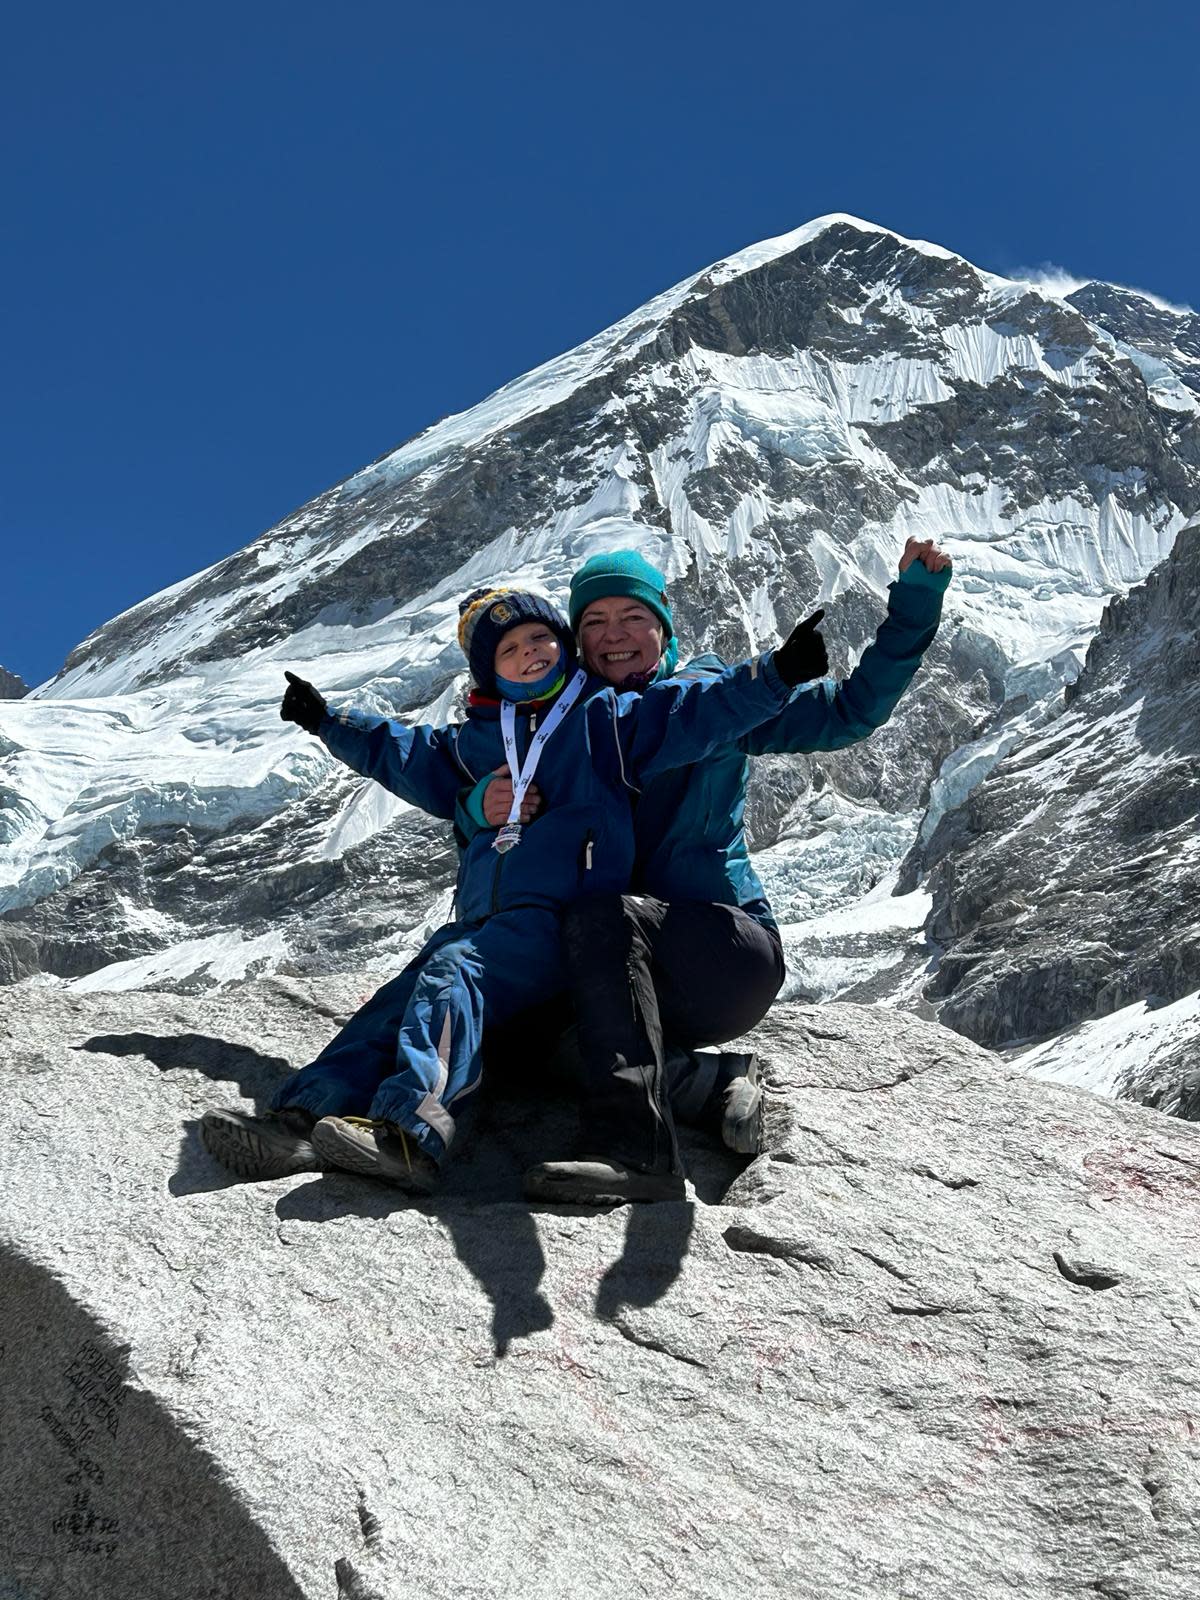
point(639, 970)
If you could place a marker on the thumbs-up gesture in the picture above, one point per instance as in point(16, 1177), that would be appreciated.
point(302, 703)
point(803, 655)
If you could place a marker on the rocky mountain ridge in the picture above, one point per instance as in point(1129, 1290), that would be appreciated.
point(1068, 885)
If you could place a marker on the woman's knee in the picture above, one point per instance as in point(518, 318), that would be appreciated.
point(592, 917)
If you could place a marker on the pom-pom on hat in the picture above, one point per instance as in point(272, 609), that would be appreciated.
point(486, 615)
point(621, 572)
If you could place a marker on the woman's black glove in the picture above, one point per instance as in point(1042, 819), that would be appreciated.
point(802, 655)
point(302, 703)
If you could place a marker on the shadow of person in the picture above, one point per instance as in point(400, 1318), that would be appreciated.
point(657, 1235)
point(255, 1075)
point(656, 1242)
point(497, 1241)
point(479, 1203)
point(499, 1245)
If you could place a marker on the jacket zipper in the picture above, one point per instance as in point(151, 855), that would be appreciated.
point(585, 852)
point(496, 884)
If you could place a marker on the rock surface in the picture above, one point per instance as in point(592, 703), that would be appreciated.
point(936, 1341)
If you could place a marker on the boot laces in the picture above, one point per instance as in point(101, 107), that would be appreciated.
point(383, 1127)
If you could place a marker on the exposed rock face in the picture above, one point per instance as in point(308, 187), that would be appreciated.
point(1169, 336)
point(11, 687)
point(1068, 885)
point(936, 1341)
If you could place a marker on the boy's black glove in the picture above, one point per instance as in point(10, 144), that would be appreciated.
point(302, 703)
point(802, 655)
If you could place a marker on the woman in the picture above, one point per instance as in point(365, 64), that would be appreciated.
point(692, 954)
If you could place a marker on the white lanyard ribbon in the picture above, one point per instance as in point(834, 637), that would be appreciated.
point(522, 776)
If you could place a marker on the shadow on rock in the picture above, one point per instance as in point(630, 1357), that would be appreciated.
point(103, 1491)
point(254, 1074)
point(497, 1241)
point(479, 1203)
point(656, 1241)
point(499, 1245)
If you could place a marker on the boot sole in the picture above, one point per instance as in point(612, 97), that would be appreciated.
point(245, 1151)
point(742, 1118)
point(340, 1148)
point(572, 1190)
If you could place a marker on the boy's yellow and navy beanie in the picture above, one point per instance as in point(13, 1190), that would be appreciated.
point(621, 572)
point(486, 615)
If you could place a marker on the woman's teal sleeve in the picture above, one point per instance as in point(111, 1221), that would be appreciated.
point(828, 715)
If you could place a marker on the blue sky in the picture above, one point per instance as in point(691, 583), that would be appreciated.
point(246, 249)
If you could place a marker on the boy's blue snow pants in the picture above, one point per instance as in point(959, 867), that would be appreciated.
point(413, 1051)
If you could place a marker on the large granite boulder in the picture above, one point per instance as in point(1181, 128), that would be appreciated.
point(938, 1340)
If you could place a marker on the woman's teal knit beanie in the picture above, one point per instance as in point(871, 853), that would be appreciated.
point(621, 572)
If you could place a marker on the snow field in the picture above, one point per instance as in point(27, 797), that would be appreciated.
point(1103, 1054)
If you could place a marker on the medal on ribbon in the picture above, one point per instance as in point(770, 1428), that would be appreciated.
point(509, 836)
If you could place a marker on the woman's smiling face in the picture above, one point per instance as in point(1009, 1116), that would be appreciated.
point(620, 639)
point(527, 652)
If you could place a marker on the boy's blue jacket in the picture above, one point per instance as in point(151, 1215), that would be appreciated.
point(690, 822)
point(607, 747)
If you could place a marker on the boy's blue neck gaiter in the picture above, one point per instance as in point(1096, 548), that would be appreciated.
point(535, 688)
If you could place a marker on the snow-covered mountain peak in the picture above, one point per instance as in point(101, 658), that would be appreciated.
point(767, 250)
point(806, 345)
point(546, 384)
point(769, 431)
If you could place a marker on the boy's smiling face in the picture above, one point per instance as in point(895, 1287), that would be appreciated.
point(527, 652)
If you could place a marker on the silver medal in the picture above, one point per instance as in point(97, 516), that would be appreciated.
point(508, 837)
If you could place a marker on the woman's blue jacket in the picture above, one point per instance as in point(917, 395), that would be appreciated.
point(689, 822)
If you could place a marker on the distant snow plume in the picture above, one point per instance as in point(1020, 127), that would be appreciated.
point(1056, 280)
point(1053, 279)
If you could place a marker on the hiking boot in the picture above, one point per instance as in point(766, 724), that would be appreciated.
point(741, 1099)
point(376, 1150)
point(273, 1145)
point(597, 1181)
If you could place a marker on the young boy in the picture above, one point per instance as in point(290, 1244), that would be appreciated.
point(380, 1097)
